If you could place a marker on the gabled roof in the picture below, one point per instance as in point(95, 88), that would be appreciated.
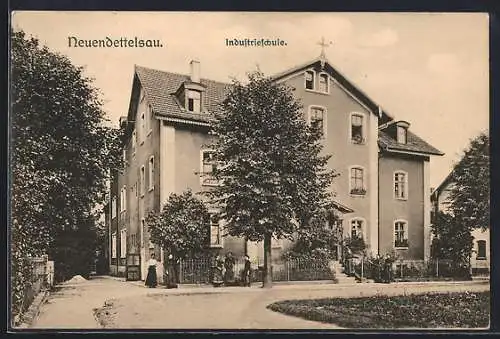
point(342, 80)
point(414, 144)
point(443, 185)
point(160, 87)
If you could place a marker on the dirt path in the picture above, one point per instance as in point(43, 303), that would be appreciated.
point(127, 305)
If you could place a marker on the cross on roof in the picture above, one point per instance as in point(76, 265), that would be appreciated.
point(324, 45)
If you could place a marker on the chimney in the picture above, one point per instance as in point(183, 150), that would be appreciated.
point(195, 70)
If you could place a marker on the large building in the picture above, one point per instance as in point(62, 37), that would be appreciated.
point(383, 188)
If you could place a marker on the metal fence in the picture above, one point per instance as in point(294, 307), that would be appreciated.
point(363, 268)
point(199, 271)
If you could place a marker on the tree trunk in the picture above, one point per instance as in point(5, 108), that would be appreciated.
point(268, 276)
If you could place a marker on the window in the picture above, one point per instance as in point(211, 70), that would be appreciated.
point(123, 243)
point(124, 156)
point(215, 232)
point(123, 198)
point(481, 249)
point(401, 134)
point(194, 101)
point(143, 225)
point(113, 208)
point(400, 185)
point(323, 83)
point(357, 133)
point(143, 127)
point(113, 245)
point(317, 118)
point(357, 185)
point(134, 140)
point(357, 228)
point(151, 173)
point(309, 80)
point(208, 166)
point(400, 234)
point(148, 118)
point(143, 180)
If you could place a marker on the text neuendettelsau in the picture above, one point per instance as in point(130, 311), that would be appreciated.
point(109, 42)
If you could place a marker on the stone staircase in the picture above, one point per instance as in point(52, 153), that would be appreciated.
point(341, 277)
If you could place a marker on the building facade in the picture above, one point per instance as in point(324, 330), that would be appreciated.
point(382, 191)
point(479, 258)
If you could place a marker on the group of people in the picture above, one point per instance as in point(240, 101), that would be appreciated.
point(171, 272)
point(223, 271)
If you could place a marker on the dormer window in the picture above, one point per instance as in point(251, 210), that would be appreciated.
point(402, 134)
point(194, 101)
point(309, 81)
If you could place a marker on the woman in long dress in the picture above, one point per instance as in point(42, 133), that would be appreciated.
point(151, 279)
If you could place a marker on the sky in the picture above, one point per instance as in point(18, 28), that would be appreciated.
point(430, 69)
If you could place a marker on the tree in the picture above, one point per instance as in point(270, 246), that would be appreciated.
point(61, 151)
point(182, 226)
point(273, 176)
point(469, 200)
point(315, 240)
point(468, 205)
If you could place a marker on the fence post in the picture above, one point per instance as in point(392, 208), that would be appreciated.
point(362, 261)
point(287, 266)
point(437, 267)
point(401, 266)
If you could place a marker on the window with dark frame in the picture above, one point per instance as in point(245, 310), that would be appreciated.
point(323, 83)
point(357, 129)
point(357, 181)
point(208, 166)
point(400, 234)
point(194, 101)
point(215, 231)
point(356, 228)
point(400, 185)
point(309, 80)
point(317, 115)
point(481, 249)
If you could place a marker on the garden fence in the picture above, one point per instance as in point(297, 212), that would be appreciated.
point(199, 271)
point(405, 269)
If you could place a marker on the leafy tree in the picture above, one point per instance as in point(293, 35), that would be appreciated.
point(181, 228)
point(61, 150)
point(468, 206)
point(315, 240)
point(274, 177)
point(469, 200)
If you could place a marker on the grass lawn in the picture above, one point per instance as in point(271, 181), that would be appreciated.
point(432, 310)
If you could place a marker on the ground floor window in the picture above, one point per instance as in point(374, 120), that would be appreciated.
point(113, 246)
point(123, 243)
point(401, 234)
point(481, 249)
point(357, 226)
point(215, 231)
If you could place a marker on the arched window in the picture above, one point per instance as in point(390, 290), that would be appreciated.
point(309, 80)
point(323, 83)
